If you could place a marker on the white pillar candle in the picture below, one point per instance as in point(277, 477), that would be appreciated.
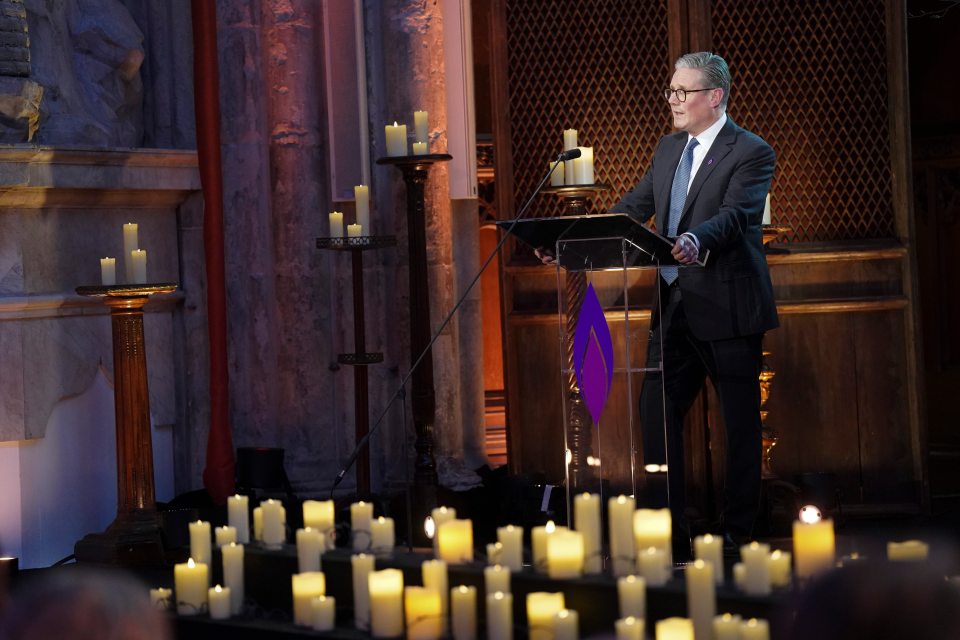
point(306, 586)
point(740, 576)
point(653, 528)
point(463, 612)
point(439, 516)
point(586, 520)
point(309, 547)
point(319, 514)
point(701, 598)
point(396, 139)
point(455, 541)
point(583, 166)
point(361, 513)
point(814, 547)
point(324, 611)
point(419, 148)
point(434, 576)
point(766, 210)
point(908, 551)
point(754, 629)
point(238, 516)
point(565, 554)
point(258, 523)
point(386, 603)
point(566, 625)
point(709, 548)
point(130, 242)
point(653, 566)
point(569, 139)
point(161, 598)
point(496, 578)
point(232, 556)
point(421, 126)
point(541, 607)
point(500, 616)
point(622, 551)
point(219, 602)
point(190, 582)
point(511, 538)
point(779, 566)
point(200, 541)
point(382, 537)
point(538, 539)
point(224, 535)
point(423, 613)
point(354, 231)
point(674, 629)
point(361, 566)
point(726, 627)
point(629, 628)
point(632, 597)
point(274, 523)
point(361, 195)
point(756, 560)
point(138, 263)
point(336, 224)
point(556, 178)
point(494, 553)
point(108, 271)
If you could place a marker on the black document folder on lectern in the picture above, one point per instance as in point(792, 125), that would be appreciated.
point(593, 242)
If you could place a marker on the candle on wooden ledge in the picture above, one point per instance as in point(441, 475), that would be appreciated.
point(632, 597)
point(511, 538)
point(306, 586)
point(361, 514)
point(455, 541)
point(541, 607)
point(538, 540)
point(419, 148)
point(779, 566)
point(336, 224)
point(586, 520)
point(396, 139)
point(319, 515)
point(569, 139)
point(238, 516)
point(223, 536)
point(421, 126)
point(565, 554)
point(629, 628)
point(108, 271)
point(674, 629)
point(494, 553)
point(190, 582)
point(423, 613)
point(652, 528)
point(701, 597)
point(309, 547)
point(814, 546)
point(138, 262)
point(756, 561)
point(386, 603)
point(500, 616)
point(726, 627)
point(463, 612)
point(361, 196)
point(232, 556)
point(130, 242)
point(354, 231)
point(324, 612)
point(623, 553)
point(219, 602)
point(556, 177)
point(161, 598)
point(433, 573)
point(361, 566)
point(438, 516)
point(382, 536)
point(200, 541)
point(740, 576)
point(653, 566)
point(258, 523)
point(709, 548)
point(583, 166)
point(566, 625)
point(754, 629)
point(496, 578)
point(274, 523)
point(908, 551)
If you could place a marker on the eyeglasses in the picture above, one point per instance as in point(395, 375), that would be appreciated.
point(682, 93)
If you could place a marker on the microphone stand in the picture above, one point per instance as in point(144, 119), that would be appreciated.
point(566, 155)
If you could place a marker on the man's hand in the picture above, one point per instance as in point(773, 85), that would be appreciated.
point(545, 255)
point(685, 250)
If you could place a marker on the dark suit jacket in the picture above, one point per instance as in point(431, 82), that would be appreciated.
point(732, 295)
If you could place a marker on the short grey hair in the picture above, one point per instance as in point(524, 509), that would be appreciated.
point(714, 70)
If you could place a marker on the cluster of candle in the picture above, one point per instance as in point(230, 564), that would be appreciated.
point(361, 196)
point(396, 135)
point(134, 260)
point(576, 171)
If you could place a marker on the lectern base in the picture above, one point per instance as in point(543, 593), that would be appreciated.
point(132, 540)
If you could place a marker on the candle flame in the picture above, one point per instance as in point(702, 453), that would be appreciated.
point(218, 589)
point(462, 589)
point(395, 123)
point(622, 499)
point(775, 555)
point(191, 564)
point(699, 564)
point(708, 539)
point(550, 527)
point(498, 595)
point(429, 527)
point(810, 514)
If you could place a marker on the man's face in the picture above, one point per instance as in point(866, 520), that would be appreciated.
point(701, 108)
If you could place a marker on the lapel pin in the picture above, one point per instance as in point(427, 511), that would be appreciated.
point(709, 161)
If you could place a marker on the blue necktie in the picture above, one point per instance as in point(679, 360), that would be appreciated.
point(678, 197)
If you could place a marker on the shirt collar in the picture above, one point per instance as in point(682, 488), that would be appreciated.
point(706, 138)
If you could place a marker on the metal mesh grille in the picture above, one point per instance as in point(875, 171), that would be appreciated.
point(810, 78)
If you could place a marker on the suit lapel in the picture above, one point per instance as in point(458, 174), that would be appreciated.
point(718, 150)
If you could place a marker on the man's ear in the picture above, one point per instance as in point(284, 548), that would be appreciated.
point(716, 97)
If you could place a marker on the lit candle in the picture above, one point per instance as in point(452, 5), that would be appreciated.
point(565, 554)
point(306, 586)
point(538, 538)
point(586, 520)
point(511, 538)
point(232, 556)
point(219, 602)
point(629, 628)
point(274, 523)
point(674, 629)
point(766, 210)
point(161, 598)
point(324, 611)
point(108, 271)
point(566, 625)
point(224, 536)
point(419, 148)
point(496, 578)
point(701, 598)
point(318, 514)
point(494, 553)
point(191, 581)
point(423, 612)
point(756, 561)
point(779, 567)
point(434, 576)
point(361, 513)
point(440, 515)
point(541, 607)
point(309, 547)
point(463, 612)
point(754, 629)
point(813, 547)
point(382, 537)
point(622, 550)
point(653, 566)
point(354, 230)
point(556, 178)
point(200, 541)
point(740, 576)
point(500, 616)
point(138, 262)
point(361, 195)
point(238, 517)
point(396, 139)
point(908, 551)
point(336, 224)
point(709, 548)
point(455, 541)
point(632, 597)
point(257, 523)
point(130, 242)
point(726, 627)
point(361, 566)
point(421, 127)
point(569, 139)
point(652, 528)
point(583, 166)
point(386, 603)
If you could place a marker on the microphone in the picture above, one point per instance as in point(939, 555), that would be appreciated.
point(566, 155)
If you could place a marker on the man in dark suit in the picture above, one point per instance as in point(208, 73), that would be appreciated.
point(706, 186)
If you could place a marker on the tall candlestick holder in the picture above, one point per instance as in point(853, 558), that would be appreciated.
point(133, 538)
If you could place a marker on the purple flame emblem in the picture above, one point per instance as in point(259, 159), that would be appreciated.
point(593, 355)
